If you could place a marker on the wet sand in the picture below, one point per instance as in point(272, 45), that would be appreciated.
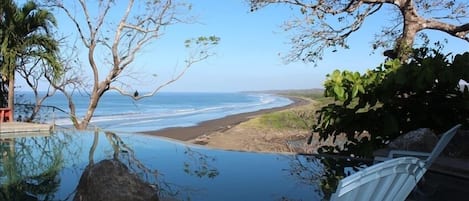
point(210, 126)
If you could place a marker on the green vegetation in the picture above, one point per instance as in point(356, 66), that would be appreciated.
point(396, 98)
point(26, 40)
point(288, 119)
point(415, 88)
point(302, 117)
point(313, 94)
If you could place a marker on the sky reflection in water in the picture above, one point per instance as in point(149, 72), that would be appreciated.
point(49, 168)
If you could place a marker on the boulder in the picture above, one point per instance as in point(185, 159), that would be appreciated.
point(112, 180)
point(458, 146)
point(422, 139)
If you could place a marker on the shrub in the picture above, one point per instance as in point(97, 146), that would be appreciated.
point(396, 98)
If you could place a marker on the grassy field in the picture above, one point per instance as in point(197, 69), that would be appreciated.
point(274, 132)
point(302, 117)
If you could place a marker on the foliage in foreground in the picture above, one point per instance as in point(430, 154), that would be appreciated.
point(396, 98)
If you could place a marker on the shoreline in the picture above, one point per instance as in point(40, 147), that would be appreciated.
point(221, 124)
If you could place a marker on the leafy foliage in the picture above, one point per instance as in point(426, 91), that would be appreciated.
point(394, 99)
point(25, 31)
point(25, 40)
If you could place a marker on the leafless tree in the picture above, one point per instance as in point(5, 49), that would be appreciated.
point(328, 24)
point(113, 33)
point(38, 77)
point(33, 72)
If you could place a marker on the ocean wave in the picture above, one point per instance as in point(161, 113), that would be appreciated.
point(185, 111)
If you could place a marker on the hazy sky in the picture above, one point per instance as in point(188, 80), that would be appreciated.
point(249, 54)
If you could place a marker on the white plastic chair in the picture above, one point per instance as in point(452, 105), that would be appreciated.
point(428, 157)
point(392, 180)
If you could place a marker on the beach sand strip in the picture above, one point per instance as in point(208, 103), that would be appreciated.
point(218, 125)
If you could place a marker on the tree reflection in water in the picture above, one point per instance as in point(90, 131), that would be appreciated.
point(30, 167)
point(327, 169)
point(35, 167)
point(199, 164)
point(126, 177)
point(40, 168)
point(112, 179)
point(126, 154)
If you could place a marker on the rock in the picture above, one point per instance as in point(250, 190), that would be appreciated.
point(111, 180)
point(422, 139)
point(202, 140)
point(458, 146)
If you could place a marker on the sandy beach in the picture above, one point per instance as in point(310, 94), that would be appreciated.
point(216, 133)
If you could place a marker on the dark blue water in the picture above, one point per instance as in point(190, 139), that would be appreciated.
point(119, 113)
point(49, 168)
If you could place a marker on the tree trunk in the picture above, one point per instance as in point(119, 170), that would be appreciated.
point(405, 43)
point(34, 113)
point(94, 100)
point(11, 96)
point(413, 23)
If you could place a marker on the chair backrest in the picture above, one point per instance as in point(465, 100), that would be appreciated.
point(441, 145)
point(392, 180)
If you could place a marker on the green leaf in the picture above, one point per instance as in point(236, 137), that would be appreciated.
point(336, 76)
point(339, 92)
point(361, 89)
point(355, 90)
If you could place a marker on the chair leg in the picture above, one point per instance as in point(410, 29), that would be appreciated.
point(10, 116)
point(2, 116)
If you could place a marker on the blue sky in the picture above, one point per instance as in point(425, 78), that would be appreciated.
point(249, 54)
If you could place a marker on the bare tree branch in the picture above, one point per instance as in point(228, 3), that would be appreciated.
point(327, 24)
point(113, 43)
point(461, 31)
point(199, 53)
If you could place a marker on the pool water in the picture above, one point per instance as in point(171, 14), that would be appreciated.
point(49, 168)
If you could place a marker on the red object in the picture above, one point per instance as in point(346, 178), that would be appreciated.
point(6, 115)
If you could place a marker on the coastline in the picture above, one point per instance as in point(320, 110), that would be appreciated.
point(218, 125)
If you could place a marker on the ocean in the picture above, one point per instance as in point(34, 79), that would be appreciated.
point(166, 109)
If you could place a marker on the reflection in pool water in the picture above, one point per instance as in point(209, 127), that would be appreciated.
point(50, 167)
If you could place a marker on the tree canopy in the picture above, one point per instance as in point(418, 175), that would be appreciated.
point(24, 35)
point(328, 24)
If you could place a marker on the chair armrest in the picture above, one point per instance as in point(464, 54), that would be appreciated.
point(379, 159)
point(400, 153)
